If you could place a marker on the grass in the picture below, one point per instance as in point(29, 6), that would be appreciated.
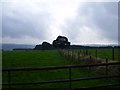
point(106, 53)
point(103, 53)
point(14, 59)
point(32, 59)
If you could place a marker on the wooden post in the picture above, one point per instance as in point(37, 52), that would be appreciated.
point(78, 56)
point(9, 78)
point(90, 57)
point(90, 67)
point(70, 78)
point(106, 67)
point(68, 54)
point(88, 52)
point(72, 55)
point(96, 53)
point(113, 53)
point(84, 52)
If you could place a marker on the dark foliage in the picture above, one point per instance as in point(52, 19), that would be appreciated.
point(61, 42)
point(46, 46)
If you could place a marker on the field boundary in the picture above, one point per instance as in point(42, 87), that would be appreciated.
point(83, 58)
point(9, 70)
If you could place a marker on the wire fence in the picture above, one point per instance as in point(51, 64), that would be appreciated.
point(82, 57)
point(109, 53)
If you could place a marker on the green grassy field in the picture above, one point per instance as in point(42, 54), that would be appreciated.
point(103, 53)
point(14, 59)
point(106, 53)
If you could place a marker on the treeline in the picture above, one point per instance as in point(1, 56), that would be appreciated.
point(47, 46)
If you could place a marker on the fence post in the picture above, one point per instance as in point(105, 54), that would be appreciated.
point(80, 51)
point(78, 54)
point(90, 67)
point(106, 66)
point(87, 51)
point(90, 57)
point(68, 55)
point(96, 53)
point(9, 80)
point(72, 55)
point(84, 52)
point(113, 53)
point(70, 78)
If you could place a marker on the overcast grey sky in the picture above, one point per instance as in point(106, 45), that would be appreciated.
point(25, 22)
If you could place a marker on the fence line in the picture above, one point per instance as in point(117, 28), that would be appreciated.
point(59, 81)
point(83, 57)
point(86, 51)
point(59, 67)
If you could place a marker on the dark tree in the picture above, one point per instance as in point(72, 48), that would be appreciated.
point(61, 42)
point(46, 46)
point(38, 47)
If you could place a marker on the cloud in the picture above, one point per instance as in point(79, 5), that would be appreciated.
point(95, 22)
point(19, 21)
point(38, 20)
point(32, 22)
point(22, 40)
